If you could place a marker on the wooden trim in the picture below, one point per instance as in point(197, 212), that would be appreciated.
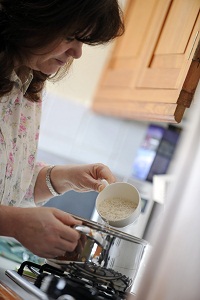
point(142, 111)
point(191, 80)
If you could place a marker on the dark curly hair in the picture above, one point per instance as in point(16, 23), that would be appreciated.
point(28, 25)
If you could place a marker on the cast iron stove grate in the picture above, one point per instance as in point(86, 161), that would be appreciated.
point(80, 281)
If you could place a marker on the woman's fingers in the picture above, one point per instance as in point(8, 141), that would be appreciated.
point(66, 218)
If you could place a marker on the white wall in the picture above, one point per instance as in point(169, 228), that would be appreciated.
point(81, 82)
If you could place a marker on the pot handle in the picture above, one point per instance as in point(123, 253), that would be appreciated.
point(82, 229)
point(105, 182)
point(91, 233)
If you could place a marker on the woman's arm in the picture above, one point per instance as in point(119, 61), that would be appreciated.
point(81, 178)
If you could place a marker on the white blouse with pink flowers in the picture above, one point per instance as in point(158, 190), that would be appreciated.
point(19, 133)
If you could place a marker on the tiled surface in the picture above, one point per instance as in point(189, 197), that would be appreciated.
point(74, 132)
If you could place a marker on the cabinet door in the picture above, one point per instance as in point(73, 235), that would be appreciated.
point(151, 74)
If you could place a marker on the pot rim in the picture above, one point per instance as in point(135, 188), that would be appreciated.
point(111, 231)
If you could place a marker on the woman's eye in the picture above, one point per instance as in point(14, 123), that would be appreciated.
point(70, 38)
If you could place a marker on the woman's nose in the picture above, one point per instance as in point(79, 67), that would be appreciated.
point(76, 50)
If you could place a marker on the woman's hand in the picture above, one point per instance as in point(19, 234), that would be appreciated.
point(46, 232)
point(83, 178)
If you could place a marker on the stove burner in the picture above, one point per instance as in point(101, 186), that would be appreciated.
point(79, 281)
point(79, 289)
point(101, 275)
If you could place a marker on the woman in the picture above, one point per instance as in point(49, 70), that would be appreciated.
point(38, 41)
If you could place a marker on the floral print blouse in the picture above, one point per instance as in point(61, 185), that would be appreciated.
point(19, 133)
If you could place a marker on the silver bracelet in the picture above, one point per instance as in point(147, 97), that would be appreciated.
point(48, 182)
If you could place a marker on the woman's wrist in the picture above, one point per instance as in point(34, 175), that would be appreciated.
point(49, 182)
point(59, 178)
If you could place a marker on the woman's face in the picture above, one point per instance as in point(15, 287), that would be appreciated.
point(52, 60)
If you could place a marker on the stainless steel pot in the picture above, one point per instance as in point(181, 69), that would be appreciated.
point(109, 248)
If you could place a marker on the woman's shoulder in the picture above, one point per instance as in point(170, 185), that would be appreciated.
point(10, 98)
point(18, 91)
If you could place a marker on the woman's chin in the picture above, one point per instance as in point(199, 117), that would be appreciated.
point(51, 71)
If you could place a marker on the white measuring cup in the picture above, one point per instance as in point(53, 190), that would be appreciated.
point(119, 204)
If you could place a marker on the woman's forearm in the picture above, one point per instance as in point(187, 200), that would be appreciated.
point(8, 215)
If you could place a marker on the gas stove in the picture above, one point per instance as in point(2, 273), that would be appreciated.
point(72, 281)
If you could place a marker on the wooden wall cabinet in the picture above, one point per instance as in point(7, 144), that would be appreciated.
point(154, 68)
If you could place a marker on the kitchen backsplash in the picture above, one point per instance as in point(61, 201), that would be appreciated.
point(70, 130)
